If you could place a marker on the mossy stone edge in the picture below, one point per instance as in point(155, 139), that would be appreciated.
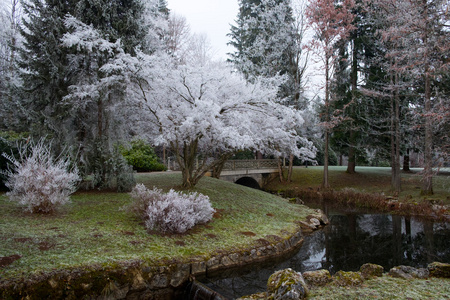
point(137, 278)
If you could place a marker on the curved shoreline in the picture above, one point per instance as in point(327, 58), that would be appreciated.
point(136, 279)
point(373, 201)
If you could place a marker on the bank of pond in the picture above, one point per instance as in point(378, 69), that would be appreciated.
point(351, 239)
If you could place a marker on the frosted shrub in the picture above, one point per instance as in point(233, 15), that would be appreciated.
point(38, 180)
point(171, 212)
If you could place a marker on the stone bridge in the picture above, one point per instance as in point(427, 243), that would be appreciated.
point(253, 173)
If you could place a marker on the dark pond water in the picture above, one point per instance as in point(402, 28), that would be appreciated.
point(350, 240)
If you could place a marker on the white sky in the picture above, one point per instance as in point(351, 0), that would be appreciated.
point(211, 17)
point(214, 18)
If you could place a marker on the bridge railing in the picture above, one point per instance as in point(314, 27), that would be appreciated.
point(250, 164)
point(237, 164)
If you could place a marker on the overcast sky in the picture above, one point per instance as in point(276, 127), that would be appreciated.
point(212, 17)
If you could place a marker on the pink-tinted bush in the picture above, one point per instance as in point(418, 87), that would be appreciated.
point(172, 212)
point(39, 181)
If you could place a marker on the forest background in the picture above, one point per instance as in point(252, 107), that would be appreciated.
point(92, 76)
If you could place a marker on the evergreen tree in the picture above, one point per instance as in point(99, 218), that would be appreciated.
point(117, 19)
point(55, 74)
point(268, 40)
point(46, 77)
point(163, 9)
point(353, 69)
point(11, 114)
point(263, 38)
point(414, 37)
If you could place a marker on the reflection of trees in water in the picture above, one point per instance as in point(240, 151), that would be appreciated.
point(382, 241)
point(346, 244)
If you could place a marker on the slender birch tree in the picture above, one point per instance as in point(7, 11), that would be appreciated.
point(330, 22)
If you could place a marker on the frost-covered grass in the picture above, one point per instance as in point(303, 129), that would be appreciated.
point(94, 229)
point(387, 288)
point(368, 179)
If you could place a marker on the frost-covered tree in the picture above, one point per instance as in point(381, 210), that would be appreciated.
point(199, 50)
point(268, 42)
point(264, 38)
point(59, 72)
point(10, 110)
point(300, 57)
point(116, 20)
point(45, 75)
point(209, 111)
point(155, 22)
point(177, 36)
point(96, 98)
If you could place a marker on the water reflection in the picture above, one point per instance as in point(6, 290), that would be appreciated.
point(348, 242)
point(352, 240)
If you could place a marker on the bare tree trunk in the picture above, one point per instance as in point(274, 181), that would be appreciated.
point(291, 167)
point(188, 164)
point(395, 138)
point(164, 157)
point(14, 27)
point(427, 188)
point(12, 55)
point(259, 155)
point(186, 177)
point(406, 161)
point(398, 186)
point(325, 183)
point(218, 167)
point(100, 118)
point(351, 166)
point(280, 169)
point(192, 171)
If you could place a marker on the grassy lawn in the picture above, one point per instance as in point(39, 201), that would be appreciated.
point(387, 287)
point(367, 179)
point(95, 229)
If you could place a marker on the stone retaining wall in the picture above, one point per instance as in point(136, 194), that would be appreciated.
point(138, 280)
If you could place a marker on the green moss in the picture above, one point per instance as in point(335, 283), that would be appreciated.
point(371, 270)
point(317, 278)
point(438, 269)
point(286, 282)
point(342, 278)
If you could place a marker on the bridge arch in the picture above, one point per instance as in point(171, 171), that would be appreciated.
point(248, 182)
